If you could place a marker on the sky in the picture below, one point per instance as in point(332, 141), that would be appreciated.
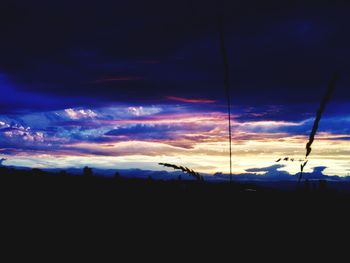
point(129, 84)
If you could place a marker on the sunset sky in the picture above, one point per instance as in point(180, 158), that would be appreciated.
point(129, 84)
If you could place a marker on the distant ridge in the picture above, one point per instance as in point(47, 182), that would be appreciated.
point(270, 174)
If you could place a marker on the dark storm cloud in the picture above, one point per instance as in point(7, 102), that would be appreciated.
point(64, 51)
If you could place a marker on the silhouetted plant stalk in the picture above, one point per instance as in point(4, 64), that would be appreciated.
point(227, 86)
point(312, 135)
point(185, 170)
point(318, 117)
point(288, 159)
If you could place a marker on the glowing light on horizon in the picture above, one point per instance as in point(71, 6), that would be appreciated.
point(141, 137)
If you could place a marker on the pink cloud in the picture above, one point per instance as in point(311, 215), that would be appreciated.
point(75, 114)
point(190, 100)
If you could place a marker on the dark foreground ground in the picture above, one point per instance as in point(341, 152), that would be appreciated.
point(74, 194)
point(164, 215)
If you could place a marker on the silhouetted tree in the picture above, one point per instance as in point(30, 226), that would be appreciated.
point(87, 171)
point(117, 175)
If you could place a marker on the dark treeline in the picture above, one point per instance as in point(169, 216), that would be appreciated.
point(35, 183)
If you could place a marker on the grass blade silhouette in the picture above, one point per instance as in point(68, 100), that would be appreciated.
point(302, 170)
point(227, 86)
point(318, 117)
point(185, 170)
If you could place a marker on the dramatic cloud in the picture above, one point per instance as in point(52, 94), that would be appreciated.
point(114, 85)
point(19, 134)
point(55, 61)
point(167, 133)
point(80, 114)
point(142, 111)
